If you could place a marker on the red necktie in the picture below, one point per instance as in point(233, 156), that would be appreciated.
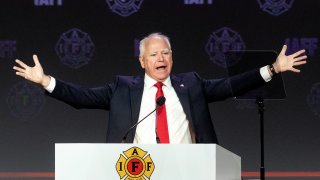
point(162, 124)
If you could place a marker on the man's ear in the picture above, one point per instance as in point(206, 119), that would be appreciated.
point(141, 61)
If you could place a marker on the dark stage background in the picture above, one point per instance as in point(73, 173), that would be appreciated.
point(90, 42)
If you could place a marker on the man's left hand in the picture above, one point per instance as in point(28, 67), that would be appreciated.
point(288, 63)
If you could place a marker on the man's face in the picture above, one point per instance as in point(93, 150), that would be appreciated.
point(157, 58)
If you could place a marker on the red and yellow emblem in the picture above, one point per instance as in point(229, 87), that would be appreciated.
point(135, 164)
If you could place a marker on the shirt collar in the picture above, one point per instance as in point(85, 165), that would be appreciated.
point(149, 82)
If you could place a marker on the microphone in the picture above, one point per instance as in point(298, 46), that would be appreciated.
point(160, 101)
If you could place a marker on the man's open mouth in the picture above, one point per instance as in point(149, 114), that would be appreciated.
point(161, 67)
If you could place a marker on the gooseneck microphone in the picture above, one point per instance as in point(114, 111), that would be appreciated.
point(159, 102)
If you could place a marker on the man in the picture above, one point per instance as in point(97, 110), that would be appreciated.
point(184, 118)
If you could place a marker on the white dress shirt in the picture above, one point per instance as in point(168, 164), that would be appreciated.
point(178, 125)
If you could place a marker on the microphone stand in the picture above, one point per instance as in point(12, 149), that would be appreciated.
point(159, 102)
point(124, 139)
point(260, 104)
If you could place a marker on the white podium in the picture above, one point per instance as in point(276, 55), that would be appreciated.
point(78, 161)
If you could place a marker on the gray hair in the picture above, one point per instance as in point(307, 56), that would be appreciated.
point(157, 34)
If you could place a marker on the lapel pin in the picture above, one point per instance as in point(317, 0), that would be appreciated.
point(181, 85)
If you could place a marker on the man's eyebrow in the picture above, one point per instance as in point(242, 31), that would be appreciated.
point(160, 51)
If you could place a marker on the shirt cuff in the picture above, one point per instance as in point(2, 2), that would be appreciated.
point(51, 85)
point(264, 71)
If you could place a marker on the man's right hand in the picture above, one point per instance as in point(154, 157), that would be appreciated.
point(34, 74)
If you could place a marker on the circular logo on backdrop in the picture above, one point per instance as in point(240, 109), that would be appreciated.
point(75, 48)
point(275, 7)
point(313, 99)
point(25, 99)
point(124, 7)
point(222, 41)
point(135, 164)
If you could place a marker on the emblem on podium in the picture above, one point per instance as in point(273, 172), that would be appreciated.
point(135, 164)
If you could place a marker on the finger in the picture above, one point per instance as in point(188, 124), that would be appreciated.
point(21, 74)
point(23, 65)
point(295, 70)
point(300, 58)
point(18, 69)
point(298, 53)
point(299, 63)
point(36, 60)
point(284, 49)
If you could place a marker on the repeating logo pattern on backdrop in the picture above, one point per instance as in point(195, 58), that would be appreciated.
point(47, 2)
point(124, 7)
point(135, 164)
point(136, 45)
point(25, 100)
point(7, 49)
point(197, 2)
point(75, 48)
point(313, 99)
point(275, 7)
point(310, 44)
point(222, 41)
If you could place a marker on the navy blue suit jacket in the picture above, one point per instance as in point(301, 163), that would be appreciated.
point(123, 97)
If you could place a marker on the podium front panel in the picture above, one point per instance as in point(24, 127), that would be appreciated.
point(79, 161)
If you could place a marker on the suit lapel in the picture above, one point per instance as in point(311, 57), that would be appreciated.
point(136, 90)
point(182, 93)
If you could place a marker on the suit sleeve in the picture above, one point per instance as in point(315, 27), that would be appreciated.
point(220, 89)
point(82, 97)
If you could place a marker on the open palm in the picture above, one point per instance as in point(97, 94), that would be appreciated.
point(288, 63)
point(34, 74)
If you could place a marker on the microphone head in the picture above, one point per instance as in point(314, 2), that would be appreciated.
point(161, 100)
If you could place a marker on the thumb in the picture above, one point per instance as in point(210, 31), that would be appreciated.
point(284, 49)
point(36, 60)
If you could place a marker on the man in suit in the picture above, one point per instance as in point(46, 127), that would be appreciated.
point(185, 117)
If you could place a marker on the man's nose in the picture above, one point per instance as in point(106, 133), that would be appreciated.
point(161, 57)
